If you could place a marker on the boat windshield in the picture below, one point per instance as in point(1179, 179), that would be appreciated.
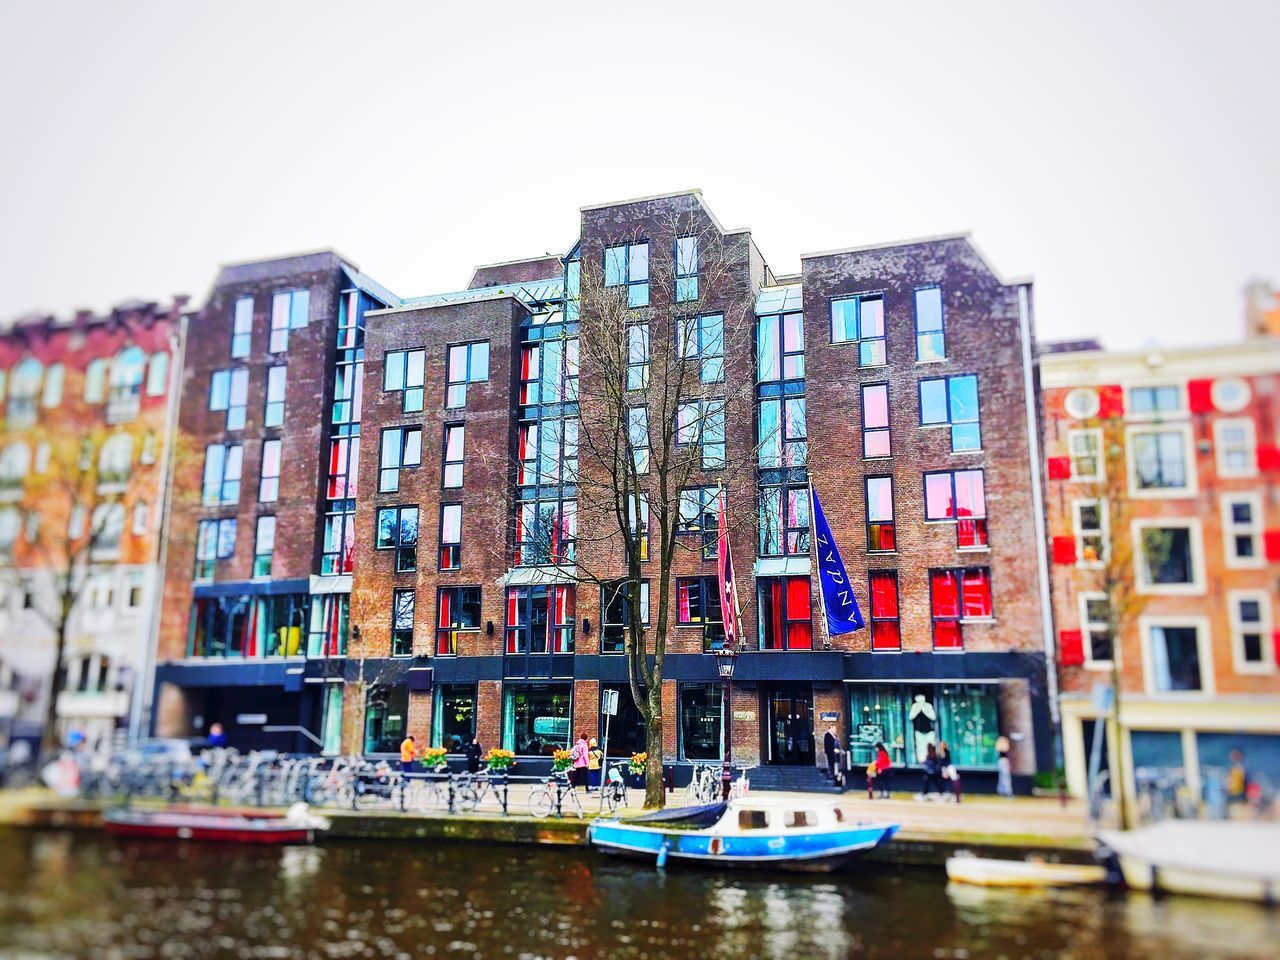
point(839, 815)
point(753, 820)
point(801, 818)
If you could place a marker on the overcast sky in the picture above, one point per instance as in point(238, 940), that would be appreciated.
point(1126, 155)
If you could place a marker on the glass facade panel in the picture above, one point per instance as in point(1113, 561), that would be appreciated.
point(701, 710)
point(536, 718)
point(906, 718)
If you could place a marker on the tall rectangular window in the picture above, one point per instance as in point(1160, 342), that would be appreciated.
point(455, 435)
point(397, 530)
point(404, 372)
point(686, 269)
point(1242, 529)
point(886, 629)
point(931, 343)
point(1085, 450)
point(269, 481)
point(701, 423)
point(637, 356)
point(698, 604)
point(344, 464)
point(273, 415)
point(698, 515)
point(861, 320)
point(401, 449)
point(953, 401)
point(289, 311)
point(530, 374)
point(1250, 612)
point(264, 544)
point(701, 721)
point(780, 347)
point(242, 328)
point(702, 339)
point(786, 614)
point(215, 540)
point(638, 437)
point(880, 524)
point(1095, 624)
point(459, 612)
point(467, 363)
point(541, 619)
point(783, 433)
point(958, 495)
point(1174, 652)
point(403, 607)
point(875, 421)
point(546, 532)
point(450, 536)
point(1089, 518)
point(222, 466)
point(956, 595)
point(229, 391)
point(615, 613)
point(55, 376)
point(784, 521)
point(338, 551)
point(454, 717)
point(1236, 445)
point(1159, 459)
point(628, 265)
point(1167, 556)
point(639, 524)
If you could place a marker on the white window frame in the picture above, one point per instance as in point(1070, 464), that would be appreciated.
point(1220, 447)
point(1230, 530)
point(1197, 585)
point(1204, 650)
point(1160, 415)
point(1104, 524)
point(1192, 487)
point(1082, 599)
point(1264, 627)
point(1096, 434)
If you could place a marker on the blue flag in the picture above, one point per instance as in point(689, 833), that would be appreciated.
point(838, 602)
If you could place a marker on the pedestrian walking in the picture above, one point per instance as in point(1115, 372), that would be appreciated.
point(408, 751)
point(831, 746)
point(579, 755)
point(932, 784)
point(474, 753)
point(595, 757)
point(1004, 770)
point(949, 773)
point(884, 770)
point(871, 779)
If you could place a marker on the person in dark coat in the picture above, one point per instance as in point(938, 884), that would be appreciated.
point(473, 756)
point(829, 746)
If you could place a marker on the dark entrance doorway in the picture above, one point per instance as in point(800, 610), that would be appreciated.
point(790, 718)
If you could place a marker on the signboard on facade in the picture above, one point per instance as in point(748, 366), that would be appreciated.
point(829, 716)
point(743, 715)
point(609, 707)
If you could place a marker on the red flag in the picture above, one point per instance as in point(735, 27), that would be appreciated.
point(724, 572)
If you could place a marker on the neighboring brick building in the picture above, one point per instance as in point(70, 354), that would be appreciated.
point(87, 407)
point(1185, 441)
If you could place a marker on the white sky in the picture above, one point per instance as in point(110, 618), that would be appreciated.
point(1127, 155)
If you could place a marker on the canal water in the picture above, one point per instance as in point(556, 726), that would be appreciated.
point(84, 895)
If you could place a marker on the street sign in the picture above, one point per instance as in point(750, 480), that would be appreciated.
point(610, 708)
point(1101, 697)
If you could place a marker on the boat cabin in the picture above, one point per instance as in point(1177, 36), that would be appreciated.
point(768, 815)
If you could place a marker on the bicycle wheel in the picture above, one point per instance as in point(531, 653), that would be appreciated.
point(542, 801)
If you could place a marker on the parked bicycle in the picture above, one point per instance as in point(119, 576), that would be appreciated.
point(553, 795)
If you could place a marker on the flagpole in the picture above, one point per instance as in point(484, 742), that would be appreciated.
point(813, 557)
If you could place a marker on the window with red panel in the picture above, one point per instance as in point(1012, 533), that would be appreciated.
point(957, 595)
point(530, 373)
point(886, 631)
point(880, 525)
point(786, 614)
point(958, 495)
point(538, 616)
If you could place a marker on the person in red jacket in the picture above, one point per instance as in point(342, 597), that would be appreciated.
point(884, 770)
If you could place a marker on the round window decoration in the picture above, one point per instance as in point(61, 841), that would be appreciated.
point(1230, 396)
point(1082, 403)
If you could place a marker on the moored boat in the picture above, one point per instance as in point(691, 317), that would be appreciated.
point(782, 834)
point(212, 824)
point(1235, 859)
point(986, 872)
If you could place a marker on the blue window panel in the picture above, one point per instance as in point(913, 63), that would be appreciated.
point(615, 266)
point(933, 402)
point(844, 320)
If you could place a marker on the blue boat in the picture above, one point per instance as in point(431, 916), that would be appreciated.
point(805, 834)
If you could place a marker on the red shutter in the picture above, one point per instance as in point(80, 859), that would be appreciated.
point(1271, 541)
point(1199, 396)
point(1064, 549)
point(1110, 402)
point(1275, 642)
point(1268, 458)
point(1070, 648)
point(1059, 468)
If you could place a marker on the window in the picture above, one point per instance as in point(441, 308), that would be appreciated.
point(530, 374)
point(701, 423)
point(1173, 656)
point(215, 540)
point(860, 320)
point(31, 529)
point(549, 372)
point(886, 630)
point(957, 595)
point(953, 401)
point(450, 536)
point(786, 615)
point(141, 511)
point(135, 585)
point(454, 717)
point(639, 525)
point(1167, 556)
point(10, 524)
point(931, 342)
point(398, 531)
point(698, 515)
point(615, 613)
point(1236, 447)
point(784, 521)
point(95, 381)
point(638, 437)
point(537, 718)
point(628, 265)
point(1251, 631)
point(698, 604)
point(264, 545)
point(1153, 401)
point(467, 363)
point(128, 370)
point(880, 526)
point(1090, 523)
point(1231, 394)
point(344, 467)
point(1082, 403)
point(115, 461)
point(783, 433)
point(339, 544)
point(24, 390)
point(700, 721)
point(386, 717)
point(1084, 447)
point(546, 532)
point(44, 452)
point(242, 328)
point(702, 338)
point(637, 356)
point(401, 449)
point(289, 311)
point(222, 466)
point(53, 379)
point(15, 461)
point(404, 371)
point(686, 269)
point(780, 347)
point(229, 391)
point(403, 603)
point(269, 482)
point(1242, 530)
point(1158, 461)
point(958, 495)
point(540, 619)
point(157, 374)
point(875, 421)
point(273, 416)
point(75, 522)
point(459, 612)
point(1095, 624)
point(454, 443)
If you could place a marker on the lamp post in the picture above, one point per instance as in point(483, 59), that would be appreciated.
point(724, 662)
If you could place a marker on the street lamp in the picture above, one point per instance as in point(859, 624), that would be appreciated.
point(724, 662)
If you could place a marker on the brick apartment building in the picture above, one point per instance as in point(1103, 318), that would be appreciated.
point(87, 411)
point(1184, 440)
point(899, 376)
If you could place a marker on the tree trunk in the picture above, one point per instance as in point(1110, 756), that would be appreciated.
point(50, 742)
point(1114, 738)
point(654, 797)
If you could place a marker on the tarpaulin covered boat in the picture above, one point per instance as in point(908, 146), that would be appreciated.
point(212, 824)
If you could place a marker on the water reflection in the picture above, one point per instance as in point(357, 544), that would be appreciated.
point(84, 895)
